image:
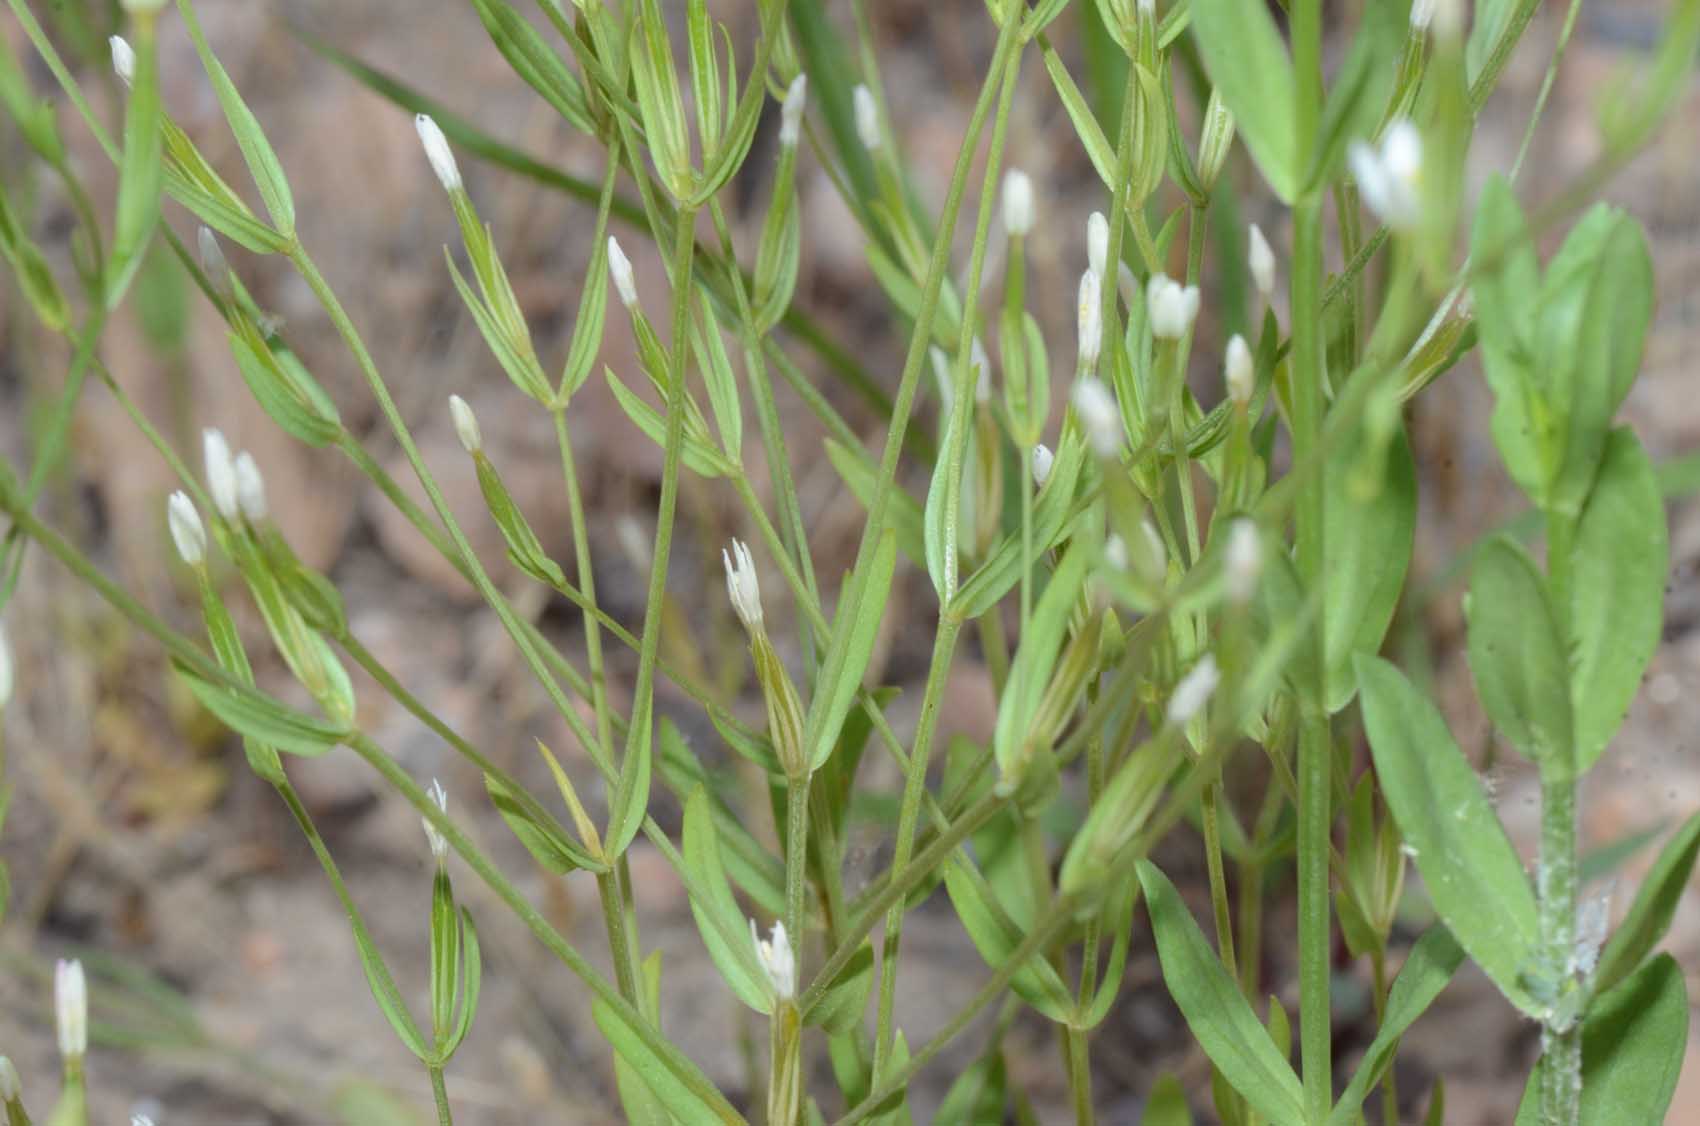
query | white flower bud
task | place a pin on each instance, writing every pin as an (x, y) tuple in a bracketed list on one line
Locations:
[(1043, 459), (142, 7), (1148, 7), (791, 111), (123, 59), (620, 269), (187, 531), (1171, 307), (1194, 690), (867, 117), (466, 425), (1244, 562), (250, 488), (71, 1009), (742, 585), (212, 258), (221, 473), (1422, 11), (1017, 202), (1126, 284), (1156, 557), (1240, 373), (777, 960), (1099, 417), (5, 674), (439, 844), (1115, 552), (141, 1120), (1389, 177), (1260, 260), (941, 379), (11, 1089), (437, 151), (983, 371), (1090, 313), (1097, 242)]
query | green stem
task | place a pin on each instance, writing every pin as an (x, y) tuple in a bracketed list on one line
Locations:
[(796, 859), (586, 585), (1556, 883), (1218, 877), (440, 1092)]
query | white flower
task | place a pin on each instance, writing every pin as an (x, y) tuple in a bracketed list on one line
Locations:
[(777, 960), (71, 1009), (1389, 177), (791, 110), (5, 672), (1194, 690), (212, 256), (742, 585), (250, 488), (221, 472), (1017, 202), (1239, 371), (1171, 306), (187, 532), (10, 1087), (982, 369), (1097, 242), (141, 1120), (620, 269), (123, 59), (1244, 562), (1090, 314), (867, 117), (1099, 416), (437, 151), (1115, 552), (1260, 260), (466, 425), (1043, 459), (439, 845)]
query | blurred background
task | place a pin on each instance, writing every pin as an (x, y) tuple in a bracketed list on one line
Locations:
[(226, 989)]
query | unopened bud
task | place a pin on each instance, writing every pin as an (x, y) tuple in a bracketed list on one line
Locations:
[(1097, 242), (123, 59), (187, 531), (1096, 408), (1155, 558), (1126, 284), (250, 488), (1422, 11), (1244, 561), (1388, 177), (867, 117), (212, 258), (11, 1089), (791, 111), (437, 151), (1171, 306), (1260, 260), (742, 585), (466, 425), (1090, 314), (1115, 552), (5, 674), (1017, 202), (221, 473), (982, 371), (439, 844), (620, 269), (1043, 459), (1239, 370), (71, 1009), (777, 960), (1194, 690), (942, 379)]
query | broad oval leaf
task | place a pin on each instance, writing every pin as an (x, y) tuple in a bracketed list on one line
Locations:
[(1517, 657)]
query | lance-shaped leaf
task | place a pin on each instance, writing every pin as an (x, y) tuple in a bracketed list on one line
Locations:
[(1517, 657), (1247, 60), (996, 936), (547, 842), (631, 799), (141, 169), (723, 927), (261, 718), (1473, 874), (1036, 658), (854, 630), (1215, 1009), (1655, 904)]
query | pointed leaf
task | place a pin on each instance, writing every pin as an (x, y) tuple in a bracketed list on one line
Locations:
[(1517, 657), (1655, 905)]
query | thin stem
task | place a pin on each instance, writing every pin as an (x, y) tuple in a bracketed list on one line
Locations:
[(796, 858), (1218, 877), (586, 585), (440, 1092)]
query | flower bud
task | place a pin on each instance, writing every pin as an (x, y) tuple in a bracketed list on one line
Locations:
[(437, 151), (1260, 260), (620, 269), (250, 488), (1090, 313), (1194, 690), (221, 473), (123, 59), (1017, 202), (1388, 177), (1172, 307), (212, 258), (187, 531), (982, 371), (1422, 11), (1240, 373), (1244, 561), (791, 111), (466, 425), (11, 1089), (5, 675), (71, 1009), (1097, 242), (1043, 459), (777, 960), (439, 844), (867, 117), (1099, 417), (742, 585), (1115, 552)]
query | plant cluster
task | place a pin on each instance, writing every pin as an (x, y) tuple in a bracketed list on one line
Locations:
[(1166, 593)]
